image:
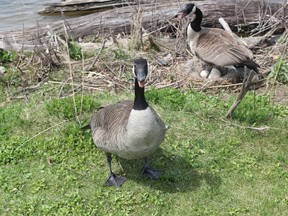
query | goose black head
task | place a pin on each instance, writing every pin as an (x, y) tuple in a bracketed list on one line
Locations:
[(140, 70), (189, 8)]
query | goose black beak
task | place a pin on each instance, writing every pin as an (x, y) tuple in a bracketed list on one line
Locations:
[(181, 14), (141, 77), (141, 71), (185, 11)]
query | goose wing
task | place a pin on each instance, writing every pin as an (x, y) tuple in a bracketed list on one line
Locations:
[(112, 116), (218, 47)]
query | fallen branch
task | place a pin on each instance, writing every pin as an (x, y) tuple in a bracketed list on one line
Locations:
[(204, 87), (29, 88), (245, 87), (249, 127)]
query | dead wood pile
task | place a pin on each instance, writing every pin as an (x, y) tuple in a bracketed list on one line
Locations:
[(154, 16)]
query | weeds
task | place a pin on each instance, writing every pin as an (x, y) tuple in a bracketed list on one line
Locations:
[(121, 54), (7, 56), (204, 160), (171, 98), (49, 166), (8, 74), (75, 51), (62, 107), (279, 72), (257, 110)]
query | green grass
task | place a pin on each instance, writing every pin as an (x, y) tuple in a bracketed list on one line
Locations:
[(75, 51), (212, 166), (279, 72)]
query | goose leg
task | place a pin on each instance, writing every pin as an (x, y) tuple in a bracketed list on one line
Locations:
[(149, 172), (113, 179)]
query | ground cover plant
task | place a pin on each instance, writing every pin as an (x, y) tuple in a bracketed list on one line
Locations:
[(211, 165)]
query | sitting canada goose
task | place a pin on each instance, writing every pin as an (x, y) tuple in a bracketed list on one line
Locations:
[(215, 46), (129, 129)]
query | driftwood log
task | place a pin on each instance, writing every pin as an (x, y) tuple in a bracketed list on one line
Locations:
[(154, 15), (83, 6)]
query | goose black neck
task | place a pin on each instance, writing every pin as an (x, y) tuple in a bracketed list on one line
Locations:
[(196, 23), (139, 101)]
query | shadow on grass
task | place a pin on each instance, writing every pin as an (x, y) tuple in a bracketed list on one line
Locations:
[(178, 175)]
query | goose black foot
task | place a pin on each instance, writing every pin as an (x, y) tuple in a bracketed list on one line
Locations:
[(115, 180), (149, 172)]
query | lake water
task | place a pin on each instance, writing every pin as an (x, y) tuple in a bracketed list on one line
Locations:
[(16, 14)]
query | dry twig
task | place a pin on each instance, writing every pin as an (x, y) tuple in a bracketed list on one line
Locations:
[(260, 129), (97, 57), (245, 87)]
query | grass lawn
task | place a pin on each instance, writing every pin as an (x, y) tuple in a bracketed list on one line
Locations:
[(211, 165)]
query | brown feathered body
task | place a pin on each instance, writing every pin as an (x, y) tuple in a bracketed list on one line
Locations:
[(128, 133), (217, 47)]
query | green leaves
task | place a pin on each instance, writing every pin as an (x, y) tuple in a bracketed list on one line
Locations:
[(167, 98), (75, 51), (254, 109), (7, 56), (49, 166), (279, 72), (68, 108)]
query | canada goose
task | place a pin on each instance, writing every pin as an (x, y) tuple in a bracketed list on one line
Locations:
[(215, 46), (129, 129)]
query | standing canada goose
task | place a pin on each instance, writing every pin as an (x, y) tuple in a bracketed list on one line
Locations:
[(129, 129), (215, 46)]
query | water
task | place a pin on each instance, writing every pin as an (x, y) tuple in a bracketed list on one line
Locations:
[(16, 14)]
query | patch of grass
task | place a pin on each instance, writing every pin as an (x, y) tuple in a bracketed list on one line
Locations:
[(210, 166), (64, 107), (167, 98), (279, 72), (255, 110), (121, 54), (12, 76), (9, 74), (7, 56), (75, 51)]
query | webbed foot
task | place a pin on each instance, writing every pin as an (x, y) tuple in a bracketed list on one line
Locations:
[(151, 173), (115, 180)]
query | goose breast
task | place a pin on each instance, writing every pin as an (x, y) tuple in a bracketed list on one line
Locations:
[(136, 135)]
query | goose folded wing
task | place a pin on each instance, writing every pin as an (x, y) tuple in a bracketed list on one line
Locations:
[(218, 47), (112, 115)]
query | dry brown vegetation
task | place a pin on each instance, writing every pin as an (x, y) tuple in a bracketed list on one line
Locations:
[(104, 60)]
